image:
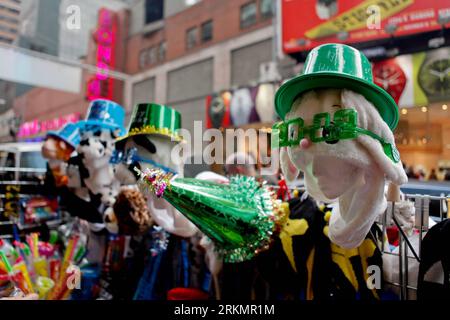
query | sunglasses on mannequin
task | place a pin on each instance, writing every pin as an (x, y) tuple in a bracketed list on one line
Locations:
[(344, 126)]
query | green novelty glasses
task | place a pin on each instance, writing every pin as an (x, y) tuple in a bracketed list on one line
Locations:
[(344, 126)]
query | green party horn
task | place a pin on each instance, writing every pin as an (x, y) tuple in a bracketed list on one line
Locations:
[(240, 218)]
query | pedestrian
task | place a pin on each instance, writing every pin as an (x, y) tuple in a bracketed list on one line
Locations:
[(433, 175)]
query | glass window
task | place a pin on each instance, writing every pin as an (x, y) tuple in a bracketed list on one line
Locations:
[(207, 31), (7, 159), (248, 15), (266, 8), (191, 38), (154, 10), (32, 160), (143, 58), (152, 55), (162, 51)]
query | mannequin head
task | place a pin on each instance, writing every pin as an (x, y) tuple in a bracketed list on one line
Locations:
[(97, 146), (325, 161), (153, 151), (331, 176), (55, 148)]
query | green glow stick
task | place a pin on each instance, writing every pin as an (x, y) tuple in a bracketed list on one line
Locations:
[(8, 267)]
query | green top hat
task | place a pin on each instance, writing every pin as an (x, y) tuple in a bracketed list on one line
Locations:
[(337, 66), (151, 118)]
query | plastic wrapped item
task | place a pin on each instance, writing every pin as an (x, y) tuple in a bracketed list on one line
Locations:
[(7, 288), (89, 283), (39, 209), (44, 286)]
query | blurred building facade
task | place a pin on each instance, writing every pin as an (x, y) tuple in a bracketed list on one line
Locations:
[(50, 108), (9, 20), (175, 52), (190, 49), (9, 32), (73, 44), (39, 26)]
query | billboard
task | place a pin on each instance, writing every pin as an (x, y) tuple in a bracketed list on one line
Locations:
[(309, 23), (416, 79)]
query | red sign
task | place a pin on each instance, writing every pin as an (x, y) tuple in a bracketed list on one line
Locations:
[(389, 75), (36, 127), (218, 110), (309, 23), (100, 86)]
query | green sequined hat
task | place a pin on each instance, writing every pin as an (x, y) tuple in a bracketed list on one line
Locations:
[(151, 118), (337, 66)]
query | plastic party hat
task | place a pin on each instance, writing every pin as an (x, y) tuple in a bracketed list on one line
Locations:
[(239, 217)]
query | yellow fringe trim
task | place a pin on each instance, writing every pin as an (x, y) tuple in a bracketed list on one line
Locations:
[(153, 130)]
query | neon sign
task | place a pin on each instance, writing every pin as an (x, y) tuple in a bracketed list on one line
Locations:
[(100, 86), (36, 127)]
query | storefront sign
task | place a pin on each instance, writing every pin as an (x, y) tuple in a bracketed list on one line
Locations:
[(100, 86), (36, 127), (308, 23)]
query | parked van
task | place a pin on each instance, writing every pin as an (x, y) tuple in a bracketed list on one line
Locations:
[(22, 161)]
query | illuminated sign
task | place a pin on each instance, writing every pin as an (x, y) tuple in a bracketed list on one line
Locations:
[(100, 86), (36, 127)]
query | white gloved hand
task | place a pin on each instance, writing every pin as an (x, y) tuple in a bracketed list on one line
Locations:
[(169, 218), (212, 259)]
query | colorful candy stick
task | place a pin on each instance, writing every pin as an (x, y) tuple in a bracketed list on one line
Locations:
[(16, 275), (22, 267), (55, 267), (41, 267)]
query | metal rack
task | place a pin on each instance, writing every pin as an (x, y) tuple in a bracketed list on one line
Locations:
[(27, 189), (422, 215)]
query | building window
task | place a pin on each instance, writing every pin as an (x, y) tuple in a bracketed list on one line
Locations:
[(266, 8), (152, 55), (191, 38), (143, 58), (154, 10), (248, 15), (207, 31), (6, 40), (162, 51), (12, 10)]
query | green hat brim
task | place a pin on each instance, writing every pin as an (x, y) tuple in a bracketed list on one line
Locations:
[(295, 87)]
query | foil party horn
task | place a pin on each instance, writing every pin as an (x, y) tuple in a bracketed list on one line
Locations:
[(240, 218)]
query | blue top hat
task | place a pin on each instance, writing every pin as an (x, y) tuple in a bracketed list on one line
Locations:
[(70, 133), (105, 114)]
